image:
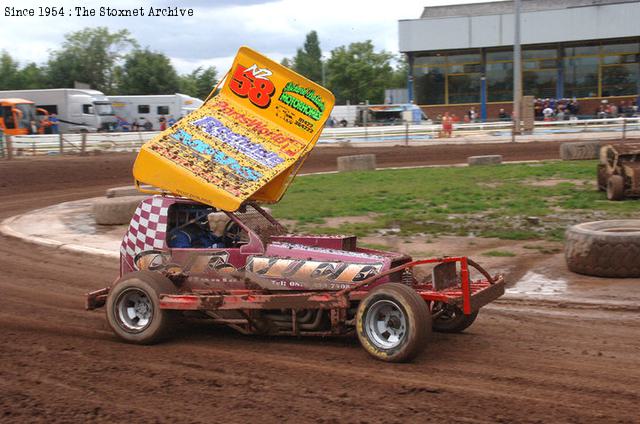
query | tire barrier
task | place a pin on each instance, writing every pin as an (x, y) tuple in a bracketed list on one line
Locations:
[(580, 151), (357, 163), (484, 160), (604, 248), (115, 210)]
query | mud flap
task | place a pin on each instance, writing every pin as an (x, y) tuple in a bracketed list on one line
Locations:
[(484, 296), (444, 275)]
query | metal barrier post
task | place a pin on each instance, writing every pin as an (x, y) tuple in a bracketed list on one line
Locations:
[(61, 144), (624, 129), (9, 148), (1, 143), (406, 133), (83, 146)]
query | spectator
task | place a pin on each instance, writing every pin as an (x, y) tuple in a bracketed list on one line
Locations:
[(171, 121), (54, 121), (33, 128), (547, 112), (473, 115), (447, 125), (163, 123), (502, 115)]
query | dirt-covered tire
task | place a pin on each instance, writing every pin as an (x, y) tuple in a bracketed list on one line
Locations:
[(393, 323), (604, 248), (615, 187), (451, 319), (133, 308), (115, 210), (579, 150), (602, 177)]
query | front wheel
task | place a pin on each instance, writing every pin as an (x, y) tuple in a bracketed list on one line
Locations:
[(451, 319), (393, 323), (133, 308), (615, 187)]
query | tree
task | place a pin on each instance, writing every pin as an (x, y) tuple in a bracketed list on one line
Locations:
[(308, 59), (356, 73), (147, 72), (200, 82), (92, 56), (32, 77), (8, 72), (400, 73)]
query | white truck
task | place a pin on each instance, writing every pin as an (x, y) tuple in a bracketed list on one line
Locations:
[(77, 110), (145, 112)]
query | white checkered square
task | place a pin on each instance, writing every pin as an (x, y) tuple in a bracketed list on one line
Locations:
[(147, 229)]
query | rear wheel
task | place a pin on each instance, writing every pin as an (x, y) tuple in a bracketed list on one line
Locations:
[(615, 187), (133, 308), (451, 319), (393, 323)]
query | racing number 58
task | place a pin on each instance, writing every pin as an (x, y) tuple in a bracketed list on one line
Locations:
[(245, 84)]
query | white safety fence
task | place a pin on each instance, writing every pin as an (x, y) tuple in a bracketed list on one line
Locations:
[(32, 145)]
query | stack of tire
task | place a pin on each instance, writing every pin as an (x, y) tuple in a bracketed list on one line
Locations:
[(604, 248)]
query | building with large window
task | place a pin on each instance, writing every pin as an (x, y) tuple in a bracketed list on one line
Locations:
[(462, 55)]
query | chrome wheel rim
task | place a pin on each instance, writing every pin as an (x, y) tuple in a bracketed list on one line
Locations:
[(386, 324), (134, 310)]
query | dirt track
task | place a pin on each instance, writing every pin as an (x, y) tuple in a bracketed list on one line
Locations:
[(518, 363)]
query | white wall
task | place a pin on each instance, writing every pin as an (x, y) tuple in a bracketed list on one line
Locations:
[(545, 26)]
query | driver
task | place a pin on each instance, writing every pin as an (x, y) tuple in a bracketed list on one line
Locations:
[(196, 234)]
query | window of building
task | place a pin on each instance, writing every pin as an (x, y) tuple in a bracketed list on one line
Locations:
[(429, 60), (163, 110), (447, 78), (500, 56), (581, 50), (539, 72), (143, 108), (540, 83), (581, 76), (539, 54), (619, 80), (464, 88), (463, 58), (621, 48), (430, 85), (499, 81)]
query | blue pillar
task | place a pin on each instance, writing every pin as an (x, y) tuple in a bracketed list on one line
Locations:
[(483, 99)]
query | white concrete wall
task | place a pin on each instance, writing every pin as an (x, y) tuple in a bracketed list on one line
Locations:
[(546, 26)]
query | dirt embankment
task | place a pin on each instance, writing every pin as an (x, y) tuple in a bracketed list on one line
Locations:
[(59, 363)]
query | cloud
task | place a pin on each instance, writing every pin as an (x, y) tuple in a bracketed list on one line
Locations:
[(218, 28)]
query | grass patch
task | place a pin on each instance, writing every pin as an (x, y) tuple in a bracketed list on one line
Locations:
[(499, 254), (488, 201)]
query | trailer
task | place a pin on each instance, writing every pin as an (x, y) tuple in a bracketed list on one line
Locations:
[(203, 246), (77, 110), (146, 112), (368, 115)]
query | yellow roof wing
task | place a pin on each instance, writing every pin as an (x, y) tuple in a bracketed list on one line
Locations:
[(246, 143)]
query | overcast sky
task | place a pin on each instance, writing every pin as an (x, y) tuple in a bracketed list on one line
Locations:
[(276, 28)]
